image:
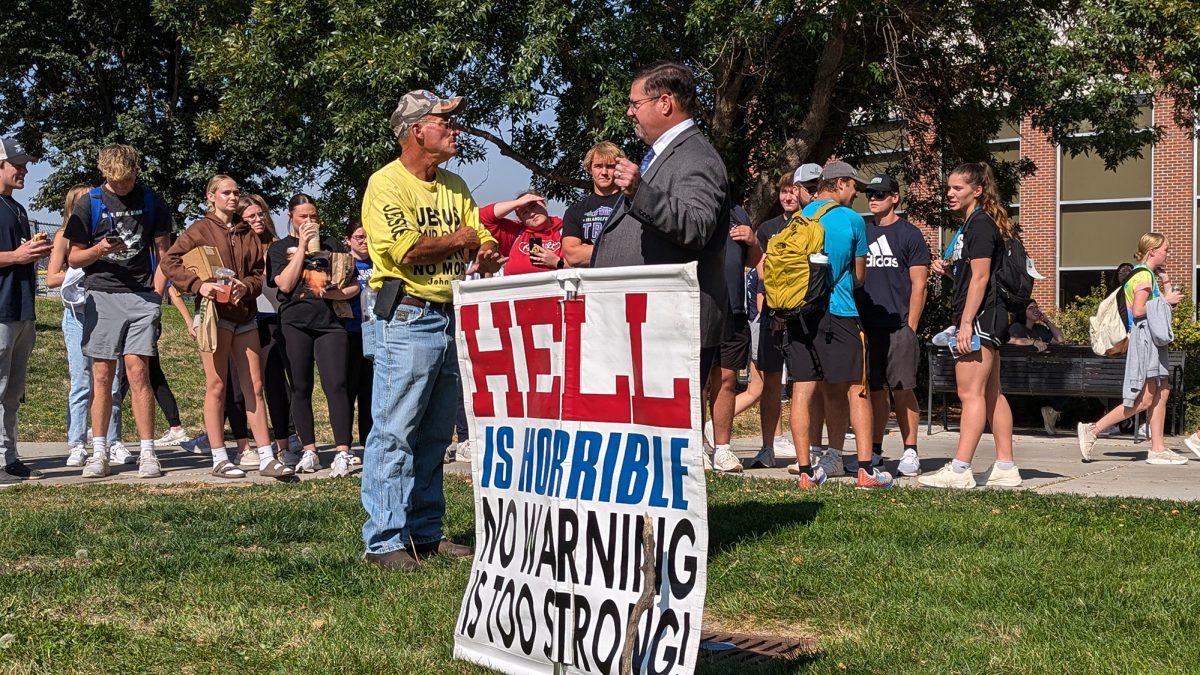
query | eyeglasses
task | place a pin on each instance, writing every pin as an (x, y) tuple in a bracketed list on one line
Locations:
[(358, 237), (439, 123), (873, 195), (634, 105)]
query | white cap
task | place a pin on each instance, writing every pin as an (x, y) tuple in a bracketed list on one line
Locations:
[(807, 173)]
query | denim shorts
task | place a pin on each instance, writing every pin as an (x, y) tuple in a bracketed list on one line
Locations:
[(237, 328)]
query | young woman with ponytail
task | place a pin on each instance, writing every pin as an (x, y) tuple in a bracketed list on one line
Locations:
[(972, 259)]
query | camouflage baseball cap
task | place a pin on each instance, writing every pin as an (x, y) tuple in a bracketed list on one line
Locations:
[(417, 104)]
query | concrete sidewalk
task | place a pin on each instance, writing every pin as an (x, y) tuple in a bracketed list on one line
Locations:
[(1047, 464)]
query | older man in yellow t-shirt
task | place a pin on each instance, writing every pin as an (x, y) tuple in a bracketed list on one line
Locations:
[(423, 232)]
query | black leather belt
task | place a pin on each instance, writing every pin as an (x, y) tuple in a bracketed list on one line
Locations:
[(413, 301)]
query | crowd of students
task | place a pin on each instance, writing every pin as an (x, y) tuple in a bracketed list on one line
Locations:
[(278, 313)]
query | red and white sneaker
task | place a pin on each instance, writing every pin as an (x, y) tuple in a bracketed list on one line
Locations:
[(875, 480), (807, 482)]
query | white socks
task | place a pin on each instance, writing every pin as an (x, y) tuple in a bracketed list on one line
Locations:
[(266, 455), (147, 447), (99, 446), (219, 455)]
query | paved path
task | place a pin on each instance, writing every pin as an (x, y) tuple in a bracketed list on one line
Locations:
[(1048, 465)]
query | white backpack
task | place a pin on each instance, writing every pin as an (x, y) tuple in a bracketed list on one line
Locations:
[(1107, 329)]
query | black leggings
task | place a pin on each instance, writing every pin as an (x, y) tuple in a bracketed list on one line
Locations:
[(359, 378), (162, 392), (328, 350), (277, 388)]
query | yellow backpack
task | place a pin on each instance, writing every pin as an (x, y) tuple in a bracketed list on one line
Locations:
[(795, 267)]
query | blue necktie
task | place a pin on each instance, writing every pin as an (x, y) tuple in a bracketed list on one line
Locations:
[(621, 201), (646, 161)]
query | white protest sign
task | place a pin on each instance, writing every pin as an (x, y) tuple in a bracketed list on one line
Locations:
[(583, 395)]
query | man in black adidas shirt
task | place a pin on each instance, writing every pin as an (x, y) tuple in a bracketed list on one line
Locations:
[(19, 253), (890, 304), (584, 219)]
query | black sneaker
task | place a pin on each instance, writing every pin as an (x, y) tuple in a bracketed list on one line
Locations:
[(19, 470)]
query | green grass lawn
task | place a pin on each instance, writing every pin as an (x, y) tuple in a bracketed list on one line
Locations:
[(269, 578)]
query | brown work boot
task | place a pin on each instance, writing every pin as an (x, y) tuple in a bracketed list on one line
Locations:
[(445, 547), (399, 560)]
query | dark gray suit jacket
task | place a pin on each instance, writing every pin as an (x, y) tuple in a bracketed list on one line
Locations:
[(680, 213)]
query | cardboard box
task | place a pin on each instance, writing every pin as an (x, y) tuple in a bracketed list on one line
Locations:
[(203, 261)]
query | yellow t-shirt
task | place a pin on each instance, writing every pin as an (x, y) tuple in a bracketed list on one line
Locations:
[(399, 208)]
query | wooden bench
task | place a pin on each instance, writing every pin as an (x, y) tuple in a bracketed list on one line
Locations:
[(1062, 370)]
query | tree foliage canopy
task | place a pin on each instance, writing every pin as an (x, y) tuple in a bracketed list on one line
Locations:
[(303, 88)]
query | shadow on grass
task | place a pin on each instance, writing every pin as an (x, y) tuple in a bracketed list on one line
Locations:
[(731, 524)]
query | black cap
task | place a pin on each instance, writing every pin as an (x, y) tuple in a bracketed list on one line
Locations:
[(882, 183)]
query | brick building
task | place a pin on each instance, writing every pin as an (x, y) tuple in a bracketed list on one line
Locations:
[(1080, 221)]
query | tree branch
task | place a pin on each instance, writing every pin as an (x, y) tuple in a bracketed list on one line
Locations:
[(535, 168)]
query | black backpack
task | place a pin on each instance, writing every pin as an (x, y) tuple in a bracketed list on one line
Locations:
[(1013, 283)]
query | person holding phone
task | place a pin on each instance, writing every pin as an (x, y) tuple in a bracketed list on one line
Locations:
[(533, 243), (972, 259)]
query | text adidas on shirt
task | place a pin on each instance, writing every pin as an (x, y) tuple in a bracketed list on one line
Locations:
[(880, 254)]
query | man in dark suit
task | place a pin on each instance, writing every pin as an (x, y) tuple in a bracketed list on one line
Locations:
[(675, 205)]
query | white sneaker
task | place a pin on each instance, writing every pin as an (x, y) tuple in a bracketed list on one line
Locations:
[(355, 460), (1087, 440), (724, 460), (249, 459), (1050, 419), (794, 468), (1192, 442), (78, 455), (910, 464), (850, 464), (96, 467), (148, 466), (198, 445), (831, 461), (708, 435), (309, 463), (947, 477), (119, 454), (784, 448), (1003, 477), (340, 466), (1143, 431), (464, 451), (173, 437), (707, 461), (765, 459), (1165, 456)]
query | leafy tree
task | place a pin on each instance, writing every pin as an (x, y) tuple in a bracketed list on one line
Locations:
[(784, 82), (76, 75)]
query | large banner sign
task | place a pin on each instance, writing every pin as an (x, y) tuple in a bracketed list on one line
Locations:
[(583, 395)]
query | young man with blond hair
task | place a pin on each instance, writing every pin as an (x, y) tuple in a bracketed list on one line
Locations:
[(117, 237), (583, 219)]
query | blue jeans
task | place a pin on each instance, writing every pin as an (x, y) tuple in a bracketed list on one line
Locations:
[(80, 367), (415, 384)]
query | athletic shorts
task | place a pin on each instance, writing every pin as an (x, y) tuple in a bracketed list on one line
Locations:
[(734, 353), (991, 325), (770, 344), (117, 324), (800, 350), (755, 328), (893, 355), (842, 350), (237, 328)]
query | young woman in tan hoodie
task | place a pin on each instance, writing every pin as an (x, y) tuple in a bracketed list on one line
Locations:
[(237, 330)]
